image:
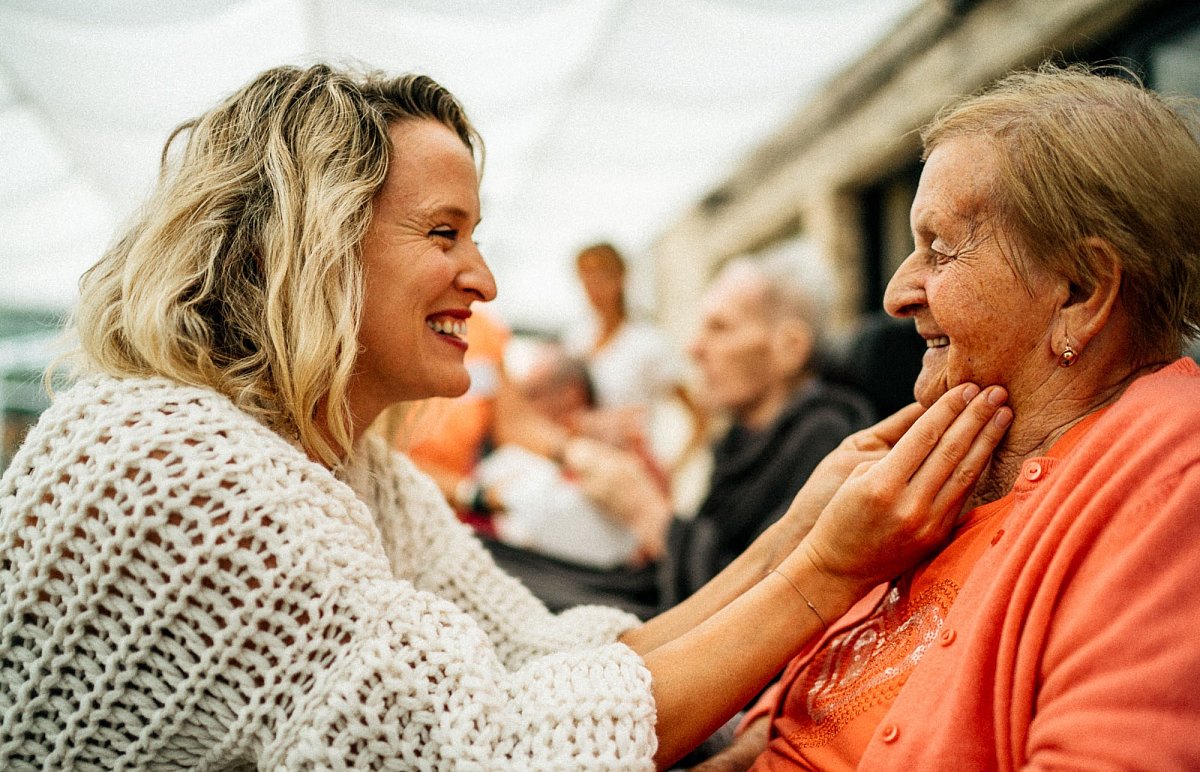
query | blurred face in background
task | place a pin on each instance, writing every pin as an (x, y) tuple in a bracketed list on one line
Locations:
[(746, 360), (551, 391), (603, 278)]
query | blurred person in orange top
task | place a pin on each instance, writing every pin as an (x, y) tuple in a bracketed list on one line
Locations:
[(446, 437)]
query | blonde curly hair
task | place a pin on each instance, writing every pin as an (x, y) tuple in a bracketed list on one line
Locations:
[(242, 272)]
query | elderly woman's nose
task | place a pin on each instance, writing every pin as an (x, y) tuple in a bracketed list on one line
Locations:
[(905, 292)]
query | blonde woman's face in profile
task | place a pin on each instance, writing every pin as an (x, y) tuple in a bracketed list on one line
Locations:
[(421, 273)]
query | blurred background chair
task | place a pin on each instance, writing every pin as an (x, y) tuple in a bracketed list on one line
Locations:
[(881, 360)]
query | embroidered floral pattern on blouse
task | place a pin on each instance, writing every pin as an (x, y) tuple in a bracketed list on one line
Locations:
[(868, 664)]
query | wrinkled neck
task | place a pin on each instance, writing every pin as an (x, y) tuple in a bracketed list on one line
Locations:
[(1039, 423)]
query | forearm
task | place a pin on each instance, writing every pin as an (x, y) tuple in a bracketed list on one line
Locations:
[(700, 421), (764, 553), (739, 576), (704, 676)]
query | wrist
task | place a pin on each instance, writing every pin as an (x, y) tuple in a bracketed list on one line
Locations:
[(807, 601), (830, 595)]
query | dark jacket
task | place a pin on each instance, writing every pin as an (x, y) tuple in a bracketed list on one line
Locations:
[(755, 476)]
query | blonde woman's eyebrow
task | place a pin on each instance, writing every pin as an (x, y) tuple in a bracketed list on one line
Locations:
[(452, 211)]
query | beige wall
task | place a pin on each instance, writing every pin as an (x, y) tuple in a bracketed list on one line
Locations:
[(859, 129)]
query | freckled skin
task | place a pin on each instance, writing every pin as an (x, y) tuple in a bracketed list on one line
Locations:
[(960, 282), (419, 262)]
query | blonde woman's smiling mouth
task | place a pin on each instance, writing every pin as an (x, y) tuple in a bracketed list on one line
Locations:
[(450, 327)]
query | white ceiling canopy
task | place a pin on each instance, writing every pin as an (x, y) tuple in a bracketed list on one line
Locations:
[(603, 119)]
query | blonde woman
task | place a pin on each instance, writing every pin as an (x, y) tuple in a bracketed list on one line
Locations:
[(209, 561)]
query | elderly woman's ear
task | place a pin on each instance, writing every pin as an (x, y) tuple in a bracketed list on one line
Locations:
[(1087, 310)]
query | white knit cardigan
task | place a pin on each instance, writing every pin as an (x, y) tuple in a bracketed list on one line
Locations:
[(183, 588)]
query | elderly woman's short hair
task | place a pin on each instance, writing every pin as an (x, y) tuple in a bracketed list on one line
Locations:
[(1091, 153), (242, 273)]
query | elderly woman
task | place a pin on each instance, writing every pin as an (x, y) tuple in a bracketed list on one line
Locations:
[(209, 561), (1057, 232)]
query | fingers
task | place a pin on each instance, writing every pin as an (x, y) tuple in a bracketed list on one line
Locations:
[(928, 431), (892, 428), (961, 453), (979, 453)]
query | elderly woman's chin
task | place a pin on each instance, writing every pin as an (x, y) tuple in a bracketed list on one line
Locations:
[(930, 386)]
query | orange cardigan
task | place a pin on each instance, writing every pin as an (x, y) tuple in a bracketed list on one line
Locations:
[(1073, 641)]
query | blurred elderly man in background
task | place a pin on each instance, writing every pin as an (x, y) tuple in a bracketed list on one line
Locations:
[(757, 354)]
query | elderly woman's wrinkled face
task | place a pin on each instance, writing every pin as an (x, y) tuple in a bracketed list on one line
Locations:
[(421, 271), (980, 321)]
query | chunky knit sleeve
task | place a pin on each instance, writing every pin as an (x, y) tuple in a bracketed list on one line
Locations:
[(428, 545), (183, 588)]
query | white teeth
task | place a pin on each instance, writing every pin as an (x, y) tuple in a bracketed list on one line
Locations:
[(454, 327), (937, 342)]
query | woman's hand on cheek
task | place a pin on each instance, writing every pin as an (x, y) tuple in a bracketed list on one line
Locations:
[(891, 511), (870, 444)]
